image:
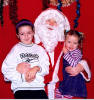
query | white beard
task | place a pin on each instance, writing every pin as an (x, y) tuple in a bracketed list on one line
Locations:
[(49, 38)]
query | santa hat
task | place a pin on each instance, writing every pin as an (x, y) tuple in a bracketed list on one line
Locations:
[(50, 13)]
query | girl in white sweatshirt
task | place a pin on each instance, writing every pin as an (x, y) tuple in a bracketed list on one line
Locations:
[(27, 82)]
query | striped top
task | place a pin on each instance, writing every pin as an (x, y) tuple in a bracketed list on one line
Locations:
[(73, 57)]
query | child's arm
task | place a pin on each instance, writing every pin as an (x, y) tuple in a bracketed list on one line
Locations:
[(23, 67), (43, 62), (73, 71), (42, 69), (30, 75), (80, 67), (9, 66), (73, 58)]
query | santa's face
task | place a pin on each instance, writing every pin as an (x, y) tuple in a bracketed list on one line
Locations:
[(51, 23), (49, 34)]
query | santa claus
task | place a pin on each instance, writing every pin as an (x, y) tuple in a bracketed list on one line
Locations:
[(49, 32)]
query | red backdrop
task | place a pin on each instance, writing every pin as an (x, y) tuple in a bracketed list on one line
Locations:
[(30, 9)]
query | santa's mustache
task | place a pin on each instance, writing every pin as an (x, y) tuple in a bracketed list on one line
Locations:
[(47, 34), (50, 27)]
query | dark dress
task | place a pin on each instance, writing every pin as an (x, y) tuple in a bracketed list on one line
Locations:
[(72, 85)]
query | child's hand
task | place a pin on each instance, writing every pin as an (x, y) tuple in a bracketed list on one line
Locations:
[(65, 50), (73, 71), (30, 75), (23, 67)]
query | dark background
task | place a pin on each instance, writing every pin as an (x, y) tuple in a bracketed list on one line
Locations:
[(30, 9)]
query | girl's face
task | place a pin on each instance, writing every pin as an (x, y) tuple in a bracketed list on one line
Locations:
[(25, 34), (71, 42)]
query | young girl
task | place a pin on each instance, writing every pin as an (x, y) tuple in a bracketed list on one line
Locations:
[(72, 86), (27, 82)]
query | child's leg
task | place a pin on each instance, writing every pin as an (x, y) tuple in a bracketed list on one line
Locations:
[(58, 94)]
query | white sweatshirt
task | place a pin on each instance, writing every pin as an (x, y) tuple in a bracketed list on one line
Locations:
[(33, 54)]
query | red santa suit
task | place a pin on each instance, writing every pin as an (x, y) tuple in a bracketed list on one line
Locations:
[(52, 40)]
